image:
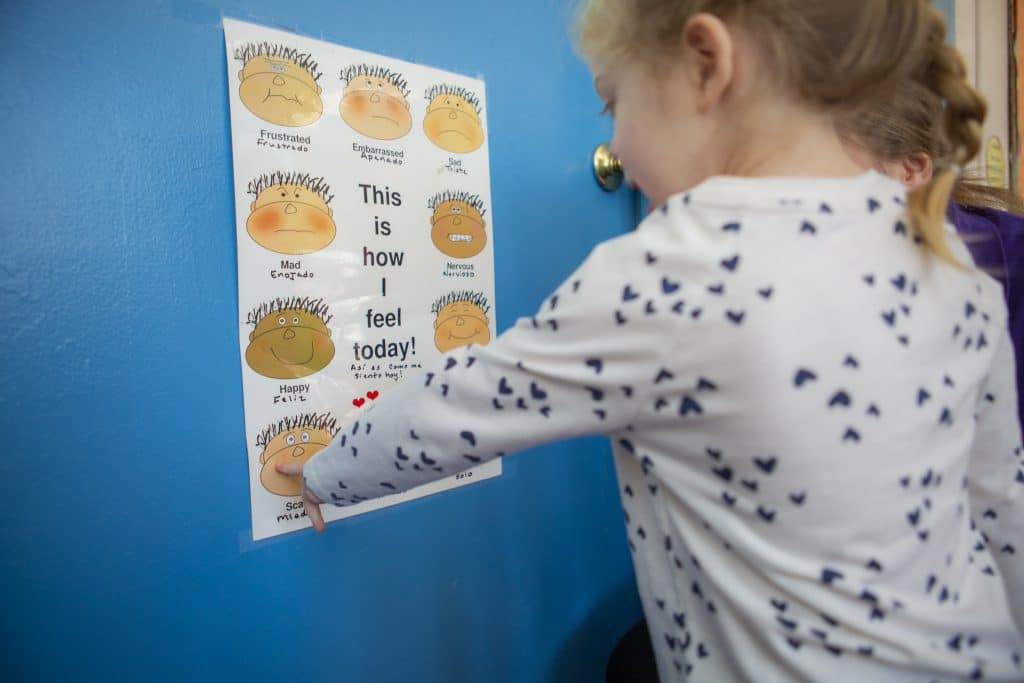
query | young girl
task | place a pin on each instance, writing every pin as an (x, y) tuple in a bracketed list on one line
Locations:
[(902, 138), (809, 397)]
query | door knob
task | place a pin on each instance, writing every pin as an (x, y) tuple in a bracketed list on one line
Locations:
[(607, 168)]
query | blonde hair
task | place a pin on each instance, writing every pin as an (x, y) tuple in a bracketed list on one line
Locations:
[(839, 56), (909, 123)]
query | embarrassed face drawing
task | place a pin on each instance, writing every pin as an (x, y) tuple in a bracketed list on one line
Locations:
[(290, 214), (461, 320), (453, 119), (278, 84), (375, 102), (290, 339), (295, 441), (457, 225)]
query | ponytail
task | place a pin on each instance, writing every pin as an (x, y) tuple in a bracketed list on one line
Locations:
[(963, 112)]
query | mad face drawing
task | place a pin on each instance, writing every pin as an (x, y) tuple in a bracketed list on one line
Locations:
[(461, 319), (457, 225), (375, 102), (279, 84), (290, 214), (293, 439), (290, 339), (453, 119)]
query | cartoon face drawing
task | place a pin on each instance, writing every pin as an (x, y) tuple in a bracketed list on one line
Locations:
[(292, 440), (279, 84), (461, 319), (290, 214), (375, 102), (457, 225), (453, 119), (290, 339)]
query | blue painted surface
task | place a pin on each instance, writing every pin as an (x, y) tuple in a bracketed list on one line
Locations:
[(125, 487), (947, 6)]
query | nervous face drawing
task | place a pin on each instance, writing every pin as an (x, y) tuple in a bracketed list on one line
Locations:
[(453, 119), (375, 102), (461, 319), (457, 224), (290, 214), (279, 84), (290, 339), (293, 439)]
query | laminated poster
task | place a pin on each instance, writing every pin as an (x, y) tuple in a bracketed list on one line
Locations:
[(365, 250)]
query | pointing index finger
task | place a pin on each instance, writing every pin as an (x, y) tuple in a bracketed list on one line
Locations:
[(292, 469), (313, 510)]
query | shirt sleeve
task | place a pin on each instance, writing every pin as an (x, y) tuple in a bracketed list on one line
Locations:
[(996, 477), (570, 370)]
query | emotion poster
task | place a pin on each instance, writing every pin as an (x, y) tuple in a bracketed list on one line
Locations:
[(365, 238)]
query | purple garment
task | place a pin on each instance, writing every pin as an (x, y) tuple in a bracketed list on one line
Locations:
[(996, 241)]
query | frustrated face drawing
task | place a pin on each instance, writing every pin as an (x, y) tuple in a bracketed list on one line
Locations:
[(461, 319), (290, 339), (292, 440), (279, 84), (453, 119), (457, 225), (290, 214), (375, 102)]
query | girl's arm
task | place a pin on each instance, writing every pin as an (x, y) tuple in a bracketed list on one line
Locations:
[(584, 364), (996, 476)]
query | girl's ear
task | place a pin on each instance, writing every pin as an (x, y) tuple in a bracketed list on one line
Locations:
[(709, 51), (917, 169)]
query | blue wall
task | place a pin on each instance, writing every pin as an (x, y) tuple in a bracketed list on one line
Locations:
[(947, 7), (126, 551)]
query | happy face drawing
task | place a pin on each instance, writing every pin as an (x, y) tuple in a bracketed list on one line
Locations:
[(461, 320), (290, 338)]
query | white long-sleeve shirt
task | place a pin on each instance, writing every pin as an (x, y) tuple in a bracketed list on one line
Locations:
[(813, 423)]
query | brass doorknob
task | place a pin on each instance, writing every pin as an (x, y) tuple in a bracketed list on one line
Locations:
[(607, 168)]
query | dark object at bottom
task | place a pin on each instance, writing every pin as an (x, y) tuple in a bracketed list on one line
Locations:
[(632, 660)]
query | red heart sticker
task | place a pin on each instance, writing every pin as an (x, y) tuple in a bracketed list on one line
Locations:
[(372, 395), (358, 402)]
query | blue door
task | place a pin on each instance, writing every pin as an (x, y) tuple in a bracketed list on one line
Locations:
[(127, 552)]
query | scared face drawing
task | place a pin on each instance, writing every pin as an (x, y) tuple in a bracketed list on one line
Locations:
[(375, 102), (292, 440), (290, 339), (461, 320), (453, 119), (279, 84), (457, 224), (290, 214)]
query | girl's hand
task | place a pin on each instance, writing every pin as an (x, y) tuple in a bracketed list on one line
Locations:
[(309, 500)]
